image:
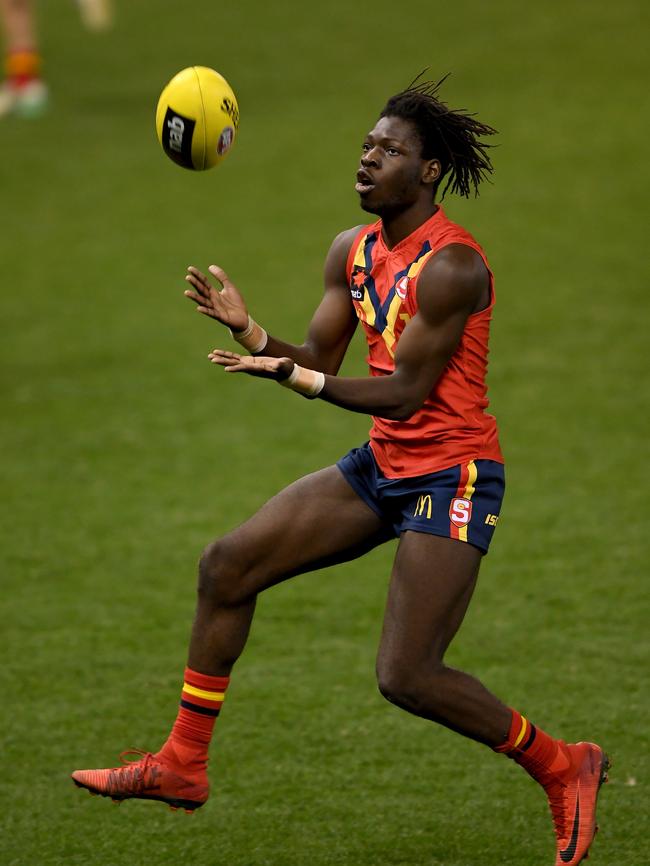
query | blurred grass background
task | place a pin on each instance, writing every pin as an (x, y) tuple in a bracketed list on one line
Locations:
[(124, 451)]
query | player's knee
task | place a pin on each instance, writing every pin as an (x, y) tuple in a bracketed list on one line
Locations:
[(407, 685), (396, 682), (221, 574)]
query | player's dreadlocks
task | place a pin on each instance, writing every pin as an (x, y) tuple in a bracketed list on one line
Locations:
[(450, 135)]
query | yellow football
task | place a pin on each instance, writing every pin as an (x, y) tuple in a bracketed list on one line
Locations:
[(197, 118)]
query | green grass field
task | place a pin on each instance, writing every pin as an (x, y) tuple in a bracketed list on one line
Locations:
[(124, 452)]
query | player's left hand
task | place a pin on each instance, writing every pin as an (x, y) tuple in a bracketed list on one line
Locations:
[(255, 365)]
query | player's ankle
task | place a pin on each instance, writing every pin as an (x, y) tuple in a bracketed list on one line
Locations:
[(183, 755), (186, 769)]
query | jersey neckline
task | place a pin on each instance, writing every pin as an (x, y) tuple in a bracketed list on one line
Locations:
[(423, 227)]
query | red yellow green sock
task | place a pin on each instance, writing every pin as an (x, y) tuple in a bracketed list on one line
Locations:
[(201, 701), (545, 759), (22, 66)]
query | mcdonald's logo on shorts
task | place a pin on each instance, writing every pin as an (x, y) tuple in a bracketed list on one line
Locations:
[(422, 503), (460, 512)]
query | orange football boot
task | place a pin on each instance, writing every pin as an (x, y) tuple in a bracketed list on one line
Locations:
[(573, 803), (147, 778)]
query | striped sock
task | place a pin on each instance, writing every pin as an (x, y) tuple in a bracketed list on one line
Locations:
[(201, 701), (544, 758)]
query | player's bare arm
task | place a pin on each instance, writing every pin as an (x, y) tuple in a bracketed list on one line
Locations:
[(329, 332), (453, 285)]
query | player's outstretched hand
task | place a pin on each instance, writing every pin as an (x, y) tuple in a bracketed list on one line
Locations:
[(254, 365), (226, 306)]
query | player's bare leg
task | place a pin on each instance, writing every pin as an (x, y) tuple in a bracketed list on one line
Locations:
[(432, 583), (431, 586), (315, 522)]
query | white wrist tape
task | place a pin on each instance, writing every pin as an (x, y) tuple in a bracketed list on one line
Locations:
[(307, 382), (253, 337)]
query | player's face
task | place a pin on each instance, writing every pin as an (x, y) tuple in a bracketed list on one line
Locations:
[(393, 175)]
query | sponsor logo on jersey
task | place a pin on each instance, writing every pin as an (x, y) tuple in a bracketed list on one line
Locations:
[(358, 284), (460, 512), (177, 132), (402, 287)]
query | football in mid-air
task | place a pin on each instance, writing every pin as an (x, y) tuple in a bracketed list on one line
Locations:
[(197, 118)]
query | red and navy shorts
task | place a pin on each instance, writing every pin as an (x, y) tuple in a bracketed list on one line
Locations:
[(462, 502)]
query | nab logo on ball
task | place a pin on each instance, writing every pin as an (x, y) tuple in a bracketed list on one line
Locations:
[(460, 512), (176, 128), (177, 135)]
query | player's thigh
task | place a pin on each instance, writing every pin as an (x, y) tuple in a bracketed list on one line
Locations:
[(431, 585), (315, 522)]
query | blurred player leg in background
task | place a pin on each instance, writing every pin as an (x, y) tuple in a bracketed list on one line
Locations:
[(96, 14), (22, 92)]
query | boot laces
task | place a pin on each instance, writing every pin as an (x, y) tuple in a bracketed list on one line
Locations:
[(144, 757), (137, 773), (557, 803)]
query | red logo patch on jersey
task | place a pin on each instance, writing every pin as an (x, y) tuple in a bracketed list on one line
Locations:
[(460, 512), (358, 283), (402, 287)]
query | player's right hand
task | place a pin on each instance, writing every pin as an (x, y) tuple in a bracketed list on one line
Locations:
[(226, 306)]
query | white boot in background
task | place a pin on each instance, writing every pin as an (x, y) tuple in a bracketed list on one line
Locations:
[(23, 100)]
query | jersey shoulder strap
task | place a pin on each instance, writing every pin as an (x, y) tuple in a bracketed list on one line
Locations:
[(356, 255)]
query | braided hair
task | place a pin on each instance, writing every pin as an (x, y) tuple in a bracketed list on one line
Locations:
[(450, 135)]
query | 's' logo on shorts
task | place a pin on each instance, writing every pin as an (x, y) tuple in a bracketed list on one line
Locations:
[(424, 502), (460, 512)]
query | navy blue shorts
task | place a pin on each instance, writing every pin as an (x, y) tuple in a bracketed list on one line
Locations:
[(461, 502)]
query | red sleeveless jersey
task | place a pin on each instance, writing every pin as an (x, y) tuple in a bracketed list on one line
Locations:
[(452, 426)]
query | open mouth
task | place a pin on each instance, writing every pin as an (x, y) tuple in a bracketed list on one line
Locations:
[(364, 183)]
